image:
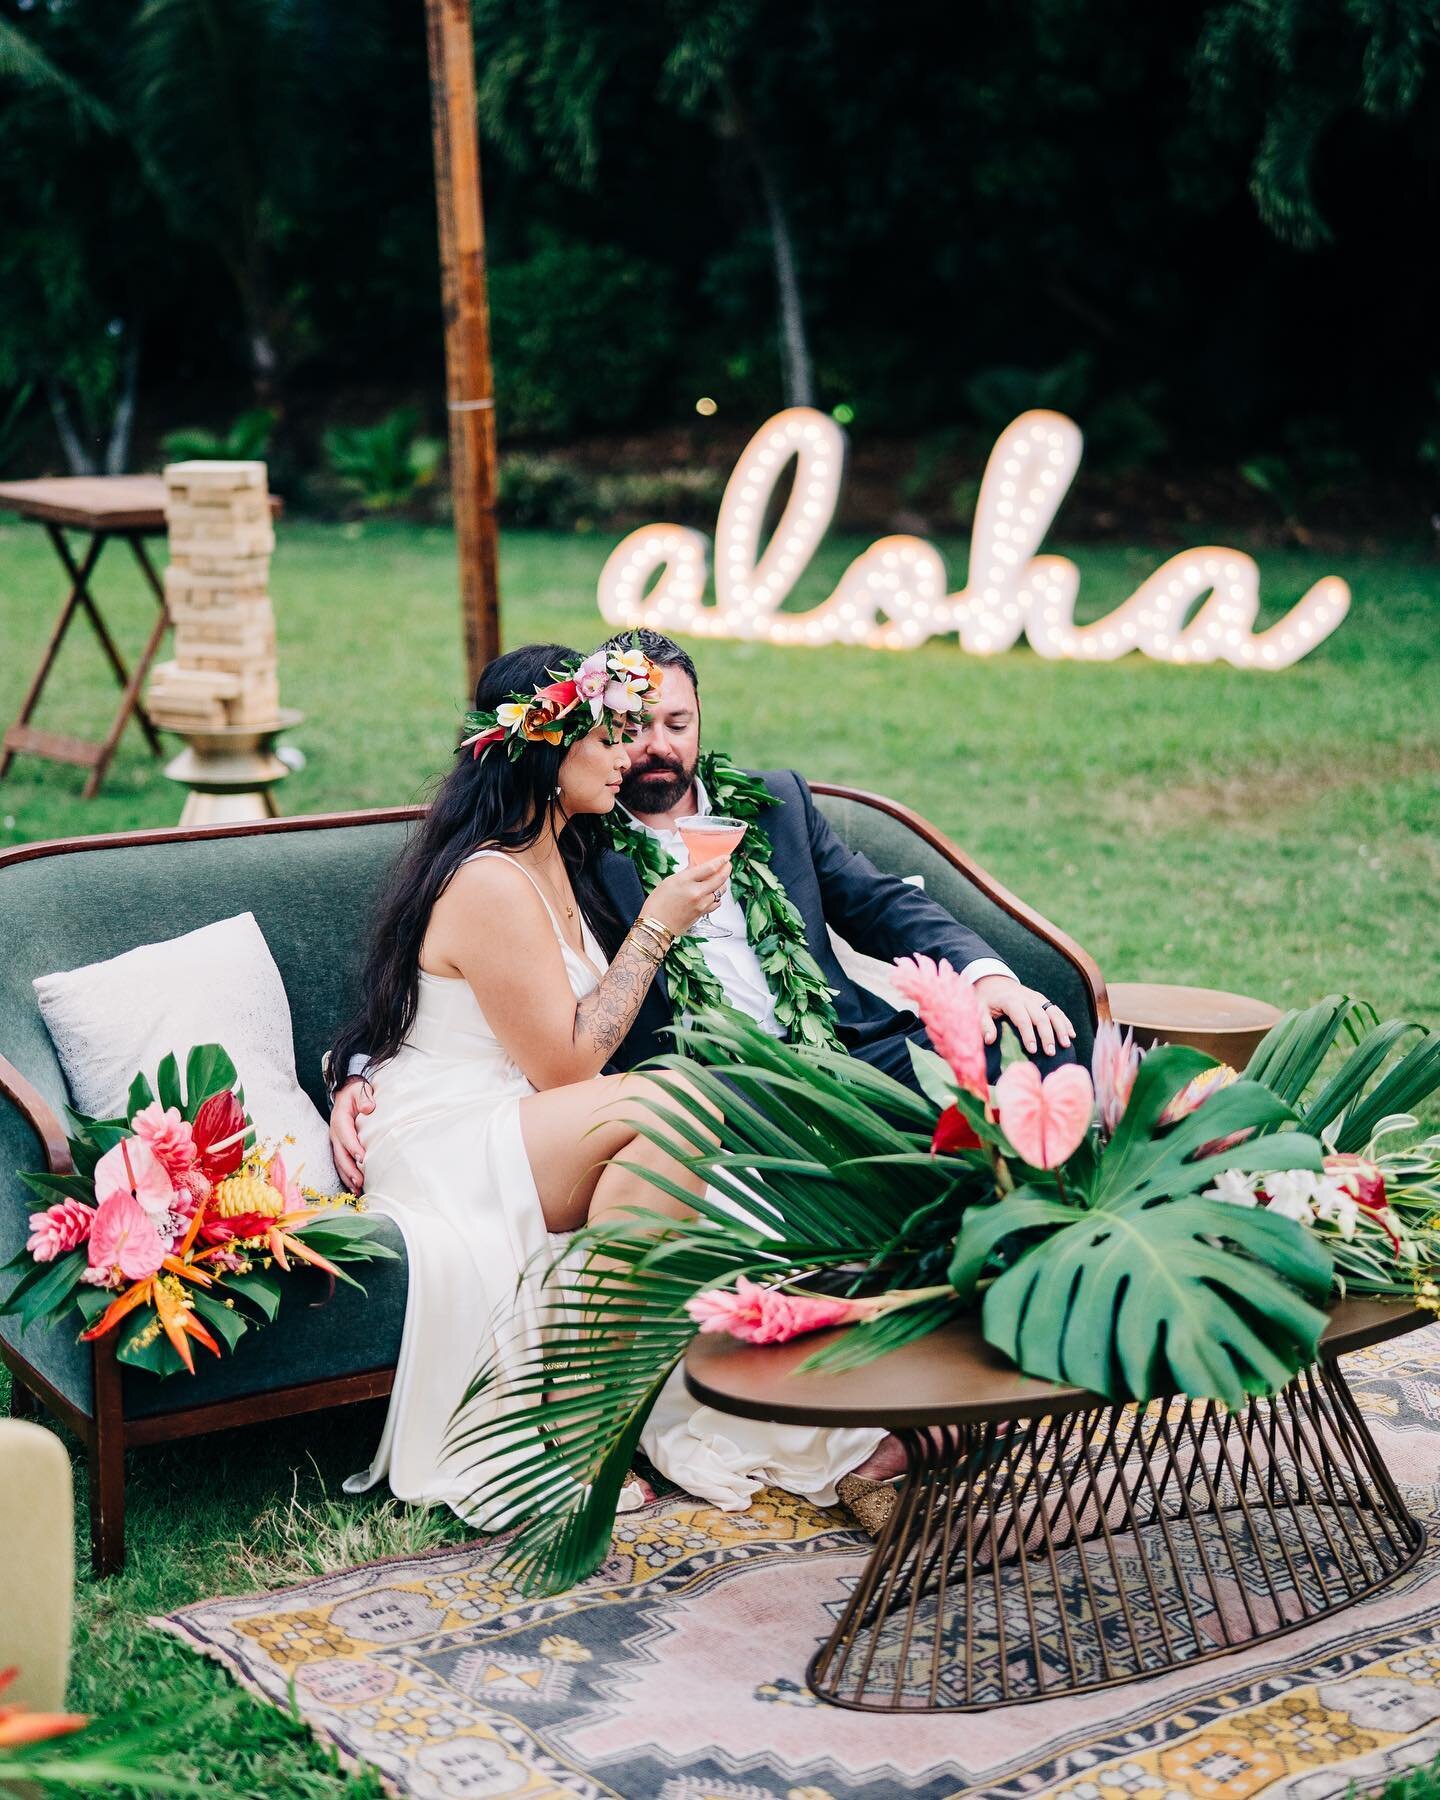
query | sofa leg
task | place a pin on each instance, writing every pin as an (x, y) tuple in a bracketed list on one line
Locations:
[(107, 1468), (107, 1503), (23, 1404)]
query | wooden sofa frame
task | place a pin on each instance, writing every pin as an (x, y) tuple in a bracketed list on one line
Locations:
[(107, 1434)]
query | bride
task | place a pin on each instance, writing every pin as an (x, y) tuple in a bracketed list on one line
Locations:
[(498, 984)]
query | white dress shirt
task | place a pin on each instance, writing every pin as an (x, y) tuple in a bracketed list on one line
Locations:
[(732, 960)]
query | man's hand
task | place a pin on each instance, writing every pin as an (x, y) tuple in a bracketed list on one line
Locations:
[(346, 1151), (1036, 1019)]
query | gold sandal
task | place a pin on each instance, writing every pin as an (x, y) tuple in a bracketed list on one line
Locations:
[(869, 1503)]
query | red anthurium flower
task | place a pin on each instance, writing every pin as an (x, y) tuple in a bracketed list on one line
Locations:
[(243, 1225), (953, 1131), (220, 1136), (562, 695)]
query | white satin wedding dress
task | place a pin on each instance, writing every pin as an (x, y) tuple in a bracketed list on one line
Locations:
[(445, 1158)]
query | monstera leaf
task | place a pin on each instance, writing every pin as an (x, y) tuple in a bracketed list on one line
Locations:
[(1131, 1284), (1146, 1297)]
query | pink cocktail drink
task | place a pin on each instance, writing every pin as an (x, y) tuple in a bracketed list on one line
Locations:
[(708, 836)]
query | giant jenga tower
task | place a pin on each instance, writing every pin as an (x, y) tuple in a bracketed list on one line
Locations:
[(217, 591)]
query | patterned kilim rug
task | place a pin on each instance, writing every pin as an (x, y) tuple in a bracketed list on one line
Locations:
[(676, 1673)]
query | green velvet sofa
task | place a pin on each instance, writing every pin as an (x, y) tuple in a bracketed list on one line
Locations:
[(309, 883)]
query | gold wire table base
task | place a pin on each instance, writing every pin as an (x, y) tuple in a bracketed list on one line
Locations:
[(1097, 1546)]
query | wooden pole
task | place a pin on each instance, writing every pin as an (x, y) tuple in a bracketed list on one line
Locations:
[(468, 383)]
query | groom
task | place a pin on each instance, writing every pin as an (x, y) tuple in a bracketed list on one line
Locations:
[(827, 883)]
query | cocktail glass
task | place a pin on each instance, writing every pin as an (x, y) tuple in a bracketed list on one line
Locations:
[(707, 836)]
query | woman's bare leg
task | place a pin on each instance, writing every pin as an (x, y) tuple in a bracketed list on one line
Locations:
[(572, 1132)]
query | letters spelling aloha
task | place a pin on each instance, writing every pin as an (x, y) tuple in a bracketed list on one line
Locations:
[(1198, 607)]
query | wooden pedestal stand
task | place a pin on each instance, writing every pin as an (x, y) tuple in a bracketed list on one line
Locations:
[(231, 772)]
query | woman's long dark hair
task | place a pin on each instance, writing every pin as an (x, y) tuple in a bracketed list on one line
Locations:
[(489, 802)]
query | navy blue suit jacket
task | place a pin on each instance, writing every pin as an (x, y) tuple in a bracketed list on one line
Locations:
[(830, 884)]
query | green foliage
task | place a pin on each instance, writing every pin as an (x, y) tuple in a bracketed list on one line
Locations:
[(386, 465), (1292, 70), (1416, 1784), (584, 337), (1311, 470), (538, 490), (1122, 429), (1356, 1096), (544, 491), (1143, 1297), (247, 439)]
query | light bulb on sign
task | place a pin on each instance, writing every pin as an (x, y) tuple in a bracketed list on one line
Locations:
[(1198, 607)]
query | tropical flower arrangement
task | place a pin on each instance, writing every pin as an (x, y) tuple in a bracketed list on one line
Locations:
[(618, 686), (1155, 1224), (173, 1222)]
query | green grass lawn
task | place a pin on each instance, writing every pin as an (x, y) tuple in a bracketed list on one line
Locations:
[(1271, 833)]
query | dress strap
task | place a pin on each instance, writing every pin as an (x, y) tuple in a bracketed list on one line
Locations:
[(544, 898)]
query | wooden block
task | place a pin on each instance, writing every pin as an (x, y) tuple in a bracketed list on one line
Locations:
[(203, 653), (226, 540), (176, 684), (244, 510), (228, 626), (209, 718), (236, 571), (203, 473), (180, 575), (254, 709)]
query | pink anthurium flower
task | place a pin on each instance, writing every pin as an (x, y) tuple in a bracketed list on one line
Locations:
[(1046, 1120), (123, 1237)]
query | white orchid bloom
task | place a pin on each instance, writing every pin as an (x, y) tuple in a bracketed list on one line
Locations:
[(1335, 1205), (1234, 1187)]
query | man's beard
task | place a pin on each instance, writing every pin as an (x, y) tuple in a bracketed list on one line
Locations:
[(657, 785)]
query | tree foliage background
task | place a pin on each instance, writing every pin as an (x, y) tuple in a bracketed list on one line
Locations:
[(1206, 221)]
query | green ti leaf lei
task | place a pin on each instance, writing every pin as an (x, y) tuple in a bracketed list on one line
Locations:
[(804, 1000)]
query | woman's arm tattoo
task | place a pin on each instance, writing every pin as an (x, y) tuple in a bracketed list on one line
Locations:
[(603, 1018)]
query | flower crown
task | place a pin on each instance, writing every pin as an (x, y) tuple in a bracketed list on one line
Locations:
[(612, 684)]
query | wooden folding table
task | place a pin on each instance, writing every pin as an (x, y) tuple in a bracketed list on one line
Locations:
[(131, 507)]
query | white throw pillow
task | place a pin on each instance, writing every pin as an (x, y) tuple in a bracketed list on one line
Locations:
[(868, 971), (112, 1020)]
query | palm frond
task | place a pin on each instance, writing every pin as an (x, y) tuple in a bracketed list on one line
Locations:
[(1357, 1097), (811, 1164)]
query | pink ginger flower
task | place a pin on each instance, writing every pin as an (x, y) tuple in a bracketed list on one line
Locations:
[(1046, 1120), (950, 1013), (169, 1135), (767, 1315), (1113, 1065), (60, 1228)]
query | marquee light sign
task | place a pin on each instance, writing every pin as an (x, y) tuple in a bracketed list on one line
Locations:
[(1198, 607)]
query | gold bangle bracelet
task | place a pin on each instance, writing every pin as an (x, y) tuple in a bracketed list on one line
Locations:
[(646, 948), (662, 934)]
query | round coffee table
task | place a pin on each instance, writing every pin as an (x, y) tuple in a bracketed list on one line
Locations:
[(1048, 1542), (1227, 1026)]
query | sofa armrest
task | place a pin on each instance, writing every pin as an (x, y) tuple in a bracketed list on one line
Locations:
[(39, 1115)]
